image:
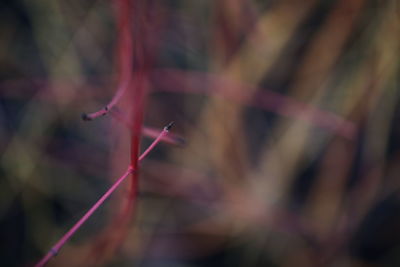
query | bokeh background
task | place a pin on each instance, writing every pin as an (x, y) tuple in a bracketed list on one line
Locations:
[(289, 110)]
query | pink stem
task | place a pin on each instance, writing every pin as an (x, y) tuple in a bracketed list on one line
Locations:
[(177, 81), (148, 131), (56, 248), (170, 139), (155, 142), (125, 48)]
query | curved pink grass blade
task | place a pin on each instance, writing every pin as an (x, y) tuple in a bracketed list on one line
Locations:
[(176, 81), (124, 53)]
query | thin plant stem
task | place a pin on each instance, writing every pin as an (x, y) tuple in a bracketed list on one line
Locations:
[(56, 248), (149, 132), (124, 53)]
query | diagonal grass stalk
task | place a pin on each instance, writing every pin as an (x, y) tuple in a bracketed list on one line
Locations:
[(56, 248)]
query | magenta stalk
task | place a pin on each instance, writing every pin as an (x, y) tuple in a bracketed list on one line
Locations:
[(56, 248)]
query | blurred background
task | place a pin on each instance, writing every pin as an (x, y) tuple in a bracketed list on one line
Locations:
[(289, 110)]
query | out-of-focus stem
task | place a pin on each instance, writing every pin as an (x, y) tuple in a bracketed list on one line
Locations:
[(124, 53), (150, 132)]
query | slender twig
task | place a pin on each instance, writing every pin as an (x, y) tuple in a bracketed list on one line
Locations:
[(148, 131), (56, 248), (124, 53)]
